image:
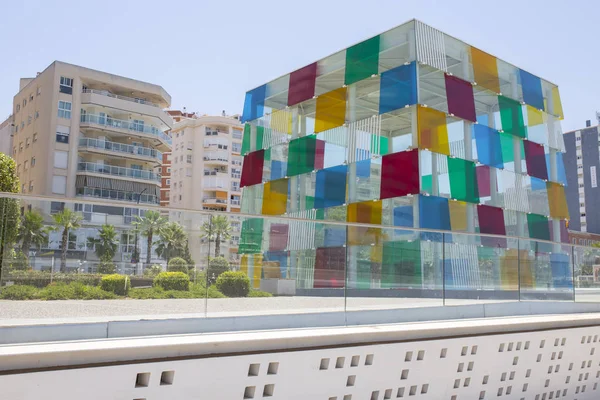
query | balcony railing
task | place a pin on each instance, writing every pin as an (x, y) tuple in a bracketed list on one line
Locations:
[(118, 171), (235, 202), (214, 200), (215, 173), (216, 157), (106, 121), (120, 148), (117, 195), (116, 96)]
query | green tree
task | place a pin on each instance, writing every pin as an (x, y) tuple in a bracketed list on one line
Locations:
[(187, 256), (106, 244), (67, 220), (172, 242), (32, 231), (216, 267), (149, 225), (217, 228), (9, 208)]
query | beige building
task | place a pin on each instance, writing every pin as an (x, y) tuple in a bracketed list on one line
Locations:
[(85, 133), (206, 167), (6, 133)]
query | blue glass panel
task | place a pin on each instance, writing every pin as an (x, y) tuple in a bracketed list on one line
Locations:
[(363, 168), (398, 88), (560, 166), (254, 104), (561, 270), (330, 188), (403, 216), (489, 149), (278, 169), (532, 89), (537, 184), (281, 257), (334, 236), (434, 214)]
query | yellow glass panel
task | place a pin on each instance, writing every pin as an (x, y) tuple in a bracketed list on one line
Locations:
[(256, 270), (534, 116), (433, 131), (367, 212), (275, 197), (244, 263), (485, 69), (281, 121), (509, 268), (558, 110), (458, 215), (331, 110), (557, 200)]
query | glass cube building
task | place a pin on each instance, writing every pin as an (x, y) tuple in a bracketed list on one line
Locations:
[(411, 128)]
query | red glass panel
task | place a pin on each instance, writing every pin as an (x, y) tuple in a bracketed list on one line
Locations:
[(319, 154), (302, 84), (330, 264), (491, 220), (535, 158), (483, 180), (252, 170), (278, 237), (399, 174), (461, 101)]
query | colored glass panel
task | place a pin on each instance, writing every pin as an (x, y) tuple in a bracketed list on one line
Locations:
[(330, 266), (395, 184), (278, 237), (254, 104), (362, 60), (330, 190), (485, 70), (557, 200), (535, 159), (281, 121), (427, 183), (489, 148), (367, 212), (538, 227), (463, 180), (561, 270), (331, 110), (532, 89), (508, 149), (398, 88), (246, 139), (491, 221), (401, 264), (461, 101), (275, 197), (434, 213), (511, 117), (403, 216), (260, 133), (302, 84), (319, 154), (458, 215), (251, 236), (433, 131), (534, 116), (483, 180), (278, 169), (302, 154), (557, 104), (252, 168)]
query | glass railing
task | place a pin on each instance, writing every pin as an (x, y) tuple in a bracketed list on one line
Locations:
[(308, 264), (130, 126), (116, 96), (214, 200), (120, 148), (109, 194), (118, 171)]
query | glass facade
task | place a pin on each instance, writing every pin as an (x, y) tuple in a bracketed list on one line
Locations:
[(415, 129)]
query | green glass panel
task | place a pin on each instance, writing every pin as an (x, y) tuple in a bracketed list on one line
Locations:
[(488, 267), (538, 227), (362, 60), (427, 183), (268, 154), (506, 143), (511, 116), (381, 148), (310, 202), (246, 139), (301, 155), (260, 133), (401, 264), (463, 180), (363, 273), (251, 236), (320, 214)]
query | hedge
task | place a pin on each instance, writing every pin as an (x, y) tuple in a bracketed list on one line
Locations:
[(233, 284), (216, 267), (115, 283), (41, 279), (178, 264), (172, 281)]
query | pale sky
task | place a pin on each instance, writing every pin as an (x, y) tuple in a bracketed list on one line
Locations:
[(207, 54)]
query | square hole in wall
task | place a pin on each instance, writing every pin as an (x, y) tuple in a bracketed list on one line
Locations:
[(518, 346), (501, 348), (456, 383), (589, 363), (542, 343), (351, 380), (464, 351), (508, 390), (568, 379), (474, 350), (470, 366), (454, 397), (273, 368), (528, 373), (404, 374), (485, 379), (413, 390), (339, 363), (420, 355), (557, 368), (387, 394), (547, 383), (400, 392), (461, 367), (556, 341), (553, 356), (443, 353), (500, 391), (527, 343), (564, 392), (583, 340), (324, 363), (249, 392), (348, 397), (254, 368), (375, 395), (512, 375), (166, 377), (539, 358), (408, 356), (142, 379), (510, 346), (560, 354), (355, 361), (525, 386), (564, 341), (369, 359), (570, 366), (268, 390), (467, 382), (503, 377), (425, 388), (550, 369), (333, 398)]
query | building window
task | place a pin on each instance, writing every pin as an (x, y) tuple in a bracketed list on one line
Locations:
[(188, 172), (14, 151), (31, 97), (66, 85), (583, 214), (39, 91), (64, 109), (168, 181), (22, 125), (236, 134), (235, 186), (24, 102), (18, 168), (169, 170), (181, 158), (37, 115), (236, 147), (34, 137), (25, 165), (23, 188), (581, 185), (18, 107), (138, 125), (17, 128), (59, 184), (61, 159), (32, 162), (27, 143), (62, 134), (30, 186), (29, 120), (189, 145), (578, 138), (20, 147), (189, 158)]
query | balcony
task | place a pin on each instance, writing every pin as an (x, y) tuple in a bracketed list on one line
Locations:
[(120, 149), (117, 195), (235, 202), (120, 172), (214, 201), (220, 158), (133, 105), (126, 127)]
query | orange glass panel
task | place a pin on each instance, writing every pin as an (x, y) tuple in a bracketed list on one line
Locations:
[(534, 116), (275, 197), (458, 215), (331, 110), (557, 200), (433, 131), (485, 68), (367, 212)]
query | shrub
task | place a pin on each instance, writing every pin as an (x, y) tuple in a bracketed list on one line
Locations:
[(57, 291), (147, 293), (152, 271), (107, 267), (172, 281), (19, 262), (84, 292), (115, 283), (177, 264), (216, 267), (259, 293), (233, 284), (41, 279), (18, 292), (214, 293)]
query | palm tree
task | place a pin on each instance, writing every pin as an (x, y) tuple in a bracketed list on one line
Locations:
[(173, 241), (106, 243), (68, 220), (32, 231), (217, 228), (149, 225)]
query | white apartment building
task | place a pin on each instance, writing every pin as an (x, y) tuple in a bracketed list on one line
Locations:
[(6, 130), (206, 167)]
